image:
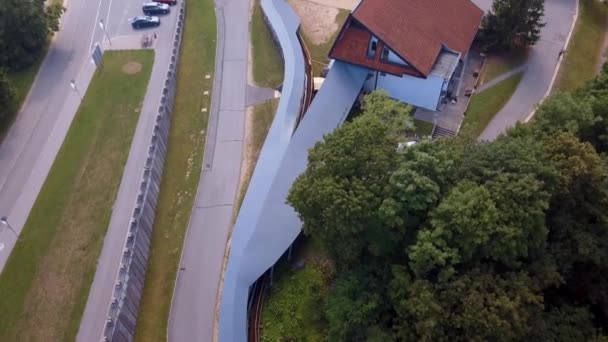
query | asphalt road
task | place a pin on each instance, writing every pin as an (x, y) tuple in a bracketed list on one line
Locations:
[(192, 311), (30, 147), (541, 66), (34, 139)]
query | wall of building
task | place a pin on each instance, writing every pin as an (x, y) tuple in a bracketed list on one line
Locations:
[(393, 58), (419, 92)]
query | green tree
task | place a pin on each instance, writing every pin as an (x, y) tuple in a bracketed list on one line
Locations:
[(501, 221), (564, 112), (512, 22), (354, 306), (24, 28), (468, 241), (340, 192), (477, 306), (565, 323), (6, 94)]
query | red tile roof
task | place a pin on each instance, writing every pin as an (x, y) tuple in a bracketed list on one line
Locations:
[(417, 29), (352, 48)]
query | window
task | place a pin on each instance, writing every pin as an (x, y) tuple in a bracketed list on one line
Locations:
[(384, 56), (373, 46), (389, 56)]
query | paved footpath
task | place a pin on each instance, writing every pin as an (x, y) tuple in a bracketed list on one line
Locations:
[(193, 307), (559, 15)]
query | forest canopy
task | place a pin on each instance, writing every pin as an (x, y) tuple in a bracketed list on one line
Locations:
[(461, 240)]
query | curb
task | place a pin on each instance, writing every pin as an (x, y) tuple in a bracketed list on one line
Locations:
[(559, 63)]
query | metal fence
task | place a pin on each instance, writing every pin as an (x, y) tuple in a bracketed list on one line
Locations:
[(128, 288)]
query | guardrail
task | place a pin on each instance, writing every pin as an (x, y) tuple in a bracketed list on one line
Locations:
[(124, 307)]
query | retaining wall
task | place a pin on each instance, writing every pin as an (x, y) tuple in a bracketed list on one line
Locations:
[(128, 288)]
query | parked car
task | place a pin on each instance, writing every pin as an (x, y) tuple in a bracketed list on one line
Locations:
[(151, 8), (145, 21), (168, 2)]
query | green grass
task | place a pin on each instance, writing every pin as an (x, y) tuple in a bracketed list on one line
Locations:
[(583, 53), (423, 128), (267, 62), (46, 281), (293, 311), (319, 53), (496, 65), (263, 114), (485, 105), (182, 168)]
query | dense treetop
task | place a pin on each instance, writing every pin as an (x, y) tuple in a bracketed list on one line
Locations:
[(462, 240), (512, 22), (25, 26)]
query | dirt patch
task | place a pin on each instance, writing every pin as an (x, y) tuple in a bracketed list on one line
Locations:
[(343, 4), (131, 68), (318, 21)]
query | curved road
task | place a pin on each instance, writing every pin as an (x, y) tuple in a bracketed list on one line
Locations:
[(537, 78)]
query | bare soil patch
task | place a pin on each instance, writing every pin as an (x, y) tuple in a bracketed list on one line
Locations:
[(318, 21), (131, 68)]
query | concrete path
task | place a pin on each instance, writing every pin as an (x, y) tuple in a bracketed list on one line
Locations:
[(256, 95), (540, 68), (30, 147), (100, 295), (500, 78), (194, 301)]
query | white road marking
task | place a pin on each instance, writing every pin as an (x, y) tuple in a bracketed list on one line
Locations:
[(95, 23), (107, 22)]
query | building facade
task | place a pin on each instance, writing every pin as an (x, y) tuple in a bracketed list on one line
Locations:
[(411, 48)]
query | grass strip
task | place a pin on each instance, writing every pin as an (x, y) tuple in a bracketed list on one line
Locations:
[(47, 278), (423, 128), (485, 105), (182, 168), (268, 66), (263, 114), (497, 65), (583, 53)]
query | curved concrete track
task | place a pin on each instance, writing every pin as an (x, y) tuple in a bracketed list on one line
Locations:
[(193, 307), (538, 76)]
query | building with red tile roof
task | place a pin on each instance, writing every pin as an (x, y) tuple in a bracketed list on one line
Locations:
[(412, 48)]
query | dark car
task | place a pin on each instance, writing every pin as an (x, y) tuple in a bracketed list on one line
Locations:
[(151, 8), (145, 21), (168, 2)]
